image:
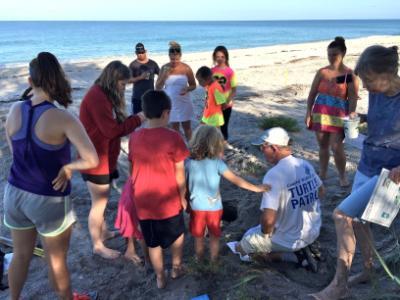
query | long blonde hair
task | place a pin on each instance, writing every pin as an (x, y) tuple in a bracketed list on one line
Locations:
[(108, 82), (206, 142)]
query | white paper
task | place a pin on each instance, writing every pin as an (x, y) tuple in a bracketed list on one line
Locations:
[(232, 246), (384, 203)]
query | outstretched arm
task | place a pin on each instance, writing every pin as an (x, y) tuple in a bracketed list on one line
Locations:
[(240, 182)]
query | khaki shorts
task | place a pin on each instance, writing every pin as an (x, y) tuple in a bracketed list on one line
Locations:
[(255, 241), (50, 215)]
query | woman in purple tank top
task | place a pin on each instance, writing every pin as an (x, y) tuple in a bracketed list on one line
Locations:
[(36, 197)]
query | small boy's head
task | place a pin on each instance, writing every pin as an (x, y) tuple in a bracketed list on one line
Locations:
[(206, 142), (204, 76), (155, 103)]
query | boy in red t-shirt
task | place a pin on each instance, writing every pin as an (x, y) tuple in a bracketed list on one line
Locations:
[(157, 155), (215, 97)]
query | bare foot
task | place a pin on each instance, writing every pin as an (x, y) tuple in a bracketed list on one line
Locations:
[(108, 235), (331, 292), (177, 271), (322, 175), (106, 252), (161, 281), (134, 258), (362, 277), (344, 182)]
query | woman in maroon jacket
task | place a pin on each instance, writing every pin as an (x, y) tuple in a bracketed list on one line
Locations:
[(102, 112)]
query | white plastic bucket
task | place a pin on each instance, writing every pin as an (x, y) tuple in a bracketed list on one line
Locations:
[(351, 127)]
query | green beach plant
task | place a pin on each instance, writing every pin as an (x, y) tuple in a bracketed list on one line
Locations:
[(287, 123)]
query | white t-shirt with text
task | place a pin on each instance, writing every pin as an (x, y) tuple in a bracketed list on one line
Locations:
[(294, 195)]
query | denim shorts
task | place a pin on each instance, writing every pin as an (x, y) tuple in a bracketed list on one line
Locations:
[(355, 204)]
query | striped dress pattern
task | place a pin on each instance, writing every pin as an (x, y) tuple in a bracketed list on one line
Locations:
[(330, 107)]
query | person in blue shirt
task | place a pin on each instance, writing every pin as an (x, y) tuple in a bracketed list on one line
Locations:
[(204, 169), (378, 70)]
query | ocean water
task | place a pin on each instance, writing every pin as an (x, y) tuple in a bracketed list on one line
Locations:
[(21, 41)]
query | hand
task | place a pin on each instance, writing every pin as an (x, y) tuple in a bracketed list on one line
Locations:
[(141, 116), (353, 115), (262, 188), (307, 119), (62, 179), (143, 76), (394, 175), (227, 104), (184, 204)]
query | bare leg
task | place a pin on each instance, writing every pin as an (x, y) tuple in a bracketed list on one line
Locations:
[(145, 251), (106, 234), (56, 249), (23, 244), (176, 252), (157, 261), (131, 254), (199, 247), (323, 142), (187, 129), (365, 240), (99, 195), (214, 248), (336, 143), (346, 244)]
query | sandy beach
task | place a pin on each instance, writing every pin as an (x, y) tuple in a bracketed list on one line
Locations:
[(272, 81)]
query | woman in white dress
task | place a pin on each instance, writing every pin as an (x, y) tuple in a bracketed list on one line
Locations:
[(177, 80)]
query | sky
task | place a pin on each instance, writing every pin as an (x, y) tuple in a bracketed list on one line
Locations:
[(177, 10)]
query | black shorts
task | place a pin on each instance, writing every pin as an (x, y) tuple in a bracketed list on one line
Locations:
[(162, 232), (100, 179)]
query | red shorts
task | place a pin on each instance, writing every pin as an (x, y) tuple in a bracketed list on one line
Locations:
[(200, 219)]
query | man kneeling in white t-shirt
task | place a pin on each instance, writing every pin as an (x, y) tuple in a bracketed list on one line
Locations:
[(291, 216)]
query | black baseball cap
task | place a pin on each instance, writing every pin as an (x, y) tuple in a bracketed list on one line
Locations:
[(139, 48)]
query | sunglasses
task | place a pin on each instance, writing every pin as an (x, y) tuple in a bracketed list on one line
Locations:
[(140, 52), (174, 51), (265, 145)]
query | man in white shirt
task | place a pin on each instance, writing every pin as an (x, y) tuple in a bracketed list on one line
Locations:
[(291, 216)]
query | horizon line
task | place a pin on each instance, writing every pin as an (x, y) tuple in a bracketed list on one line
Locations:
[(254, 20)]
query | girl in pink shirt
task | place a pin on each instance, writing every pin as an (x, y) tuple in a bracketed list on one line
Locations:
[(227, 79)]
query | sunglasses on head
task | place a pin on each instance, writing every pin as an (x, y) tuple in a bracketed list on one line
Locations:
[(174, 51)]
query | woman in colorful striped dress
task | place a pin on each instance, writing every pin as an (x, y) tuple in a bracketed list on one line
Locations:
[(333, 96)]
